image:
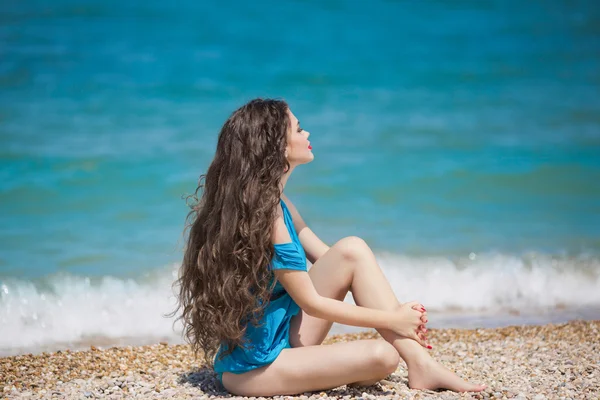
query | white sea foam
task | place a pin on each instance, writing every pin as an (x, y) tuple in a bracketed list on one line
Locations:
[(73, 309), (67, 309), (495, 282)]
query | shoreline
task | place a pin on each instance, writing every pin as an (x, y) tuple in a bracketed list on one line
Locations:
[(526, 362), (438, 320)]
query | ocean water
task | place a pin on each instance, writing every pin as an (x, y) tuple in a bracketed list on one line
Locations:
[(461, 140)]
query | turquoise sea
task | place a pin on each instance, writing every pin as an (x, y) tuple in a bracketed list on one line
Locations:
[(460, 139)]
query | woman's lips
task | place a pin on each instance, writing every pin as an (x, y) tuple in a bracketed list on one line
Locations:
[(309, 147)]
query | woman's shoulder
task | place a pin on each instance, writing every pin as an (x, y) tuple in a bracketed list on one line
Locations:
[(286, 202), (280, 232)]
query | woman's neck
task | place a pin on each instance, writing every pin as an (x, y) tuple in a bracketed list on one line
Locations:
[(284, 179)]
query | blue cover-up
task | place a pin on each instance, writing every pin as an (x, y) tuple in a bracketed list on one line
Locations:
[(268, 340)]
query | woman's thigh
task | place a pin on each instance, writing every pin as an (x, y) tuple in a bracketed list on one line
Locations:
[(310, 368), (332, 277)]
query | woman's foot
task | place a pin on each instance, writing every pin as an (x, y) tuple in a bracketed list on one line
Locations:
[(430, 374)]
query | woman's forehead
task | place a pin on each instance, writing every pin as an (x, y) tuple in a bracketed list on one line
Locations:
[(293, 119)]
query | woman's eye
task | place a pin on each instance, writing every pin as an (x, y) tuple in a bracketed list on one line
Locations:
[(300, 129)]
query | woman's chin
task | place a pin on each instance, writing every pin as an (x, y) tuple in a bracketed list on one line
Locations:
[(305, 160)]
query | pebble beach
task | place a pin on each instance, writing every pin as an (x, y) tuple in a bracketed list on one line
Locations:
[(554, 361)]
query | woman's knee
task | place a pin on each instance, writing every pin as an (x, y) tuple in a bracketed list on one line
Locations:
[(352, 247), (384, 357)]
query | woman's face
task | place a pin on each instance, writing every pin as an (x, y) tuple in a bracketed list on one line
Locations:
[(298, 147)]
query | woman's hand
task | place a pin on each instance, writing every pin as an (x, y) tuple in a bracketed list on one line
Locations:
[(409, 321), (421, 332)]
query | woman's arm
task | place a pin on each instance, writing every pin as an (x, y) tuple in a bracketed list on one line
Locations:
[(313, 246), (404, 321), (300, 287)]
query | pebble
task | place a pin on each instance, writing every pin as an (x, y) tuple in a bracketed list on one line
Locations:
[(526, 362)]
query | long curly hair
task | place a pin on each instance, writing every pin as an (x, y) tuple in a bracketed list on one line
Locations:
[(224, 282)]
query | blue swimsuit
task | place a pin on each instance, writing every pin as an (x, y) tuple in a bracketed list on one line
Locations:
[(267, 341)]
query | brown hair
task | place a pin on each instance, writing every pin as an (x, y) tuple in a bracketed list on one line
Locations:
[(224, 282)]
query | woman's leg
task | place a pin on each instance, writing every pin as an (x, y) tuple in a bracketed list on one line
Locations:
[(310, 368), (350, 265)]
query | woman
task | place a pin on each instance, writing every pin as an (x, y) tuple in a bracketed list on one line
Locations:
[(246, 295)]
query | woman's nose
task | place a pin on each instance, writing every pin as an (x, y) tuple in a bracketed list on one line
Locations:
[(307, 133)]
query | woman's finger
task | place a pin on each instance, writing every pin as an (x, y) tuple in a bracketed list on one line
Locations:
[(423, 340), (418, 322), (417, 306), (419, 340)]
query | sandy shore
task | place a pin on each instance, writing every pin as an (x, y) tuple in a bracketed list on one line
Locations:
[(530, 362)]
